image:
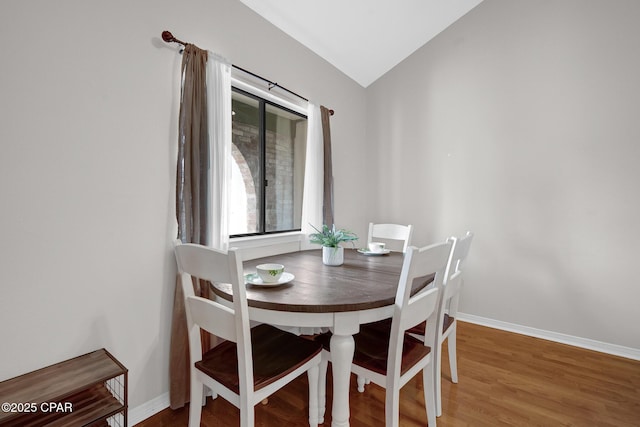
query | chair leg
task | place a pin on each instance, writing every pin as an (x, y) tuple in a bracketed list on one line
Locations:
[(247, 415), (361, 381), (392, 407), (195, 402), (428, 374), (437, 387), (453, 358), (322, 388), (312, 375), (204, 395)]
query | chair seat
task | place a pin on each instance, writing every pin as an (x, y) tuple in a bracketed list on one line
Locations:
[(420, 328), (275, 354), (372, 348)]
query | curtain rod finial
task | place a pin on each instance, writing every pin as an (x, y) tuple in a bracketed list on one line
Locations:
[(167, 36)]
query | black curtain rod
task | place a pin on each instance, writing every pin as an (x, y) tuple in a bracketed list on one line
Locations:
[(169, 38)]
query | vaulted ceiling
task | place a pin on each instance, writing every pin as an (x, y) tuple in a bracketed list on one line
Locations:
[(362, 38)]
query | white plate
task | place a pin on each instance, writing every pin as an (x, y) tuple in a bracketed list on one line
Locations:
[(367, 252), (255, 280)]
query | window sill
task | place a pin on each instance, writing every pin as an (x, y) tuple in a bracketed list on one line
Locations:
[(290, 236), (273, 244)]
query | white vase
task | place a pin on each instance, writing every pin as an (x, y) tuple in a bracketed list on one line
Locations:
[(333, 256)]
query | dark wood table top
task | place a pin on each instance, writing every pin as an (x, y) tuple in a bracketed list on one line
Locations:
[(361, 283)]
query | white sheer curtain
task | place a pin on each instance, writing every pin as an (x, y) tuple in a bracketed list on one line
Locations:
[(313, 192), (313, 176), (219, 118)]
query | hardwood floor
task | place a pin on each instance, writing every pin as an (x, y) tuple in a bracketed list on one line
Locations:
[(505, 379)]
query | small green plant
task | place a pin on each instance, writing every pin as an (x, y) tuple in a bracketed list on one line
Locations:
[(331, 237)]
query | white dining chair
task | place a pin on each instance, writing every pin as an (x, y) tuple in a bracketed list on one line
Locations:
[(250, 364), (448, 315), (391, 232), (391, 359), (387, 232)]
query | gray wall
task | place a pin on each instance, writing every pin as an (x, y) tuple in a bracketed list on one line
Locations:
[(520, 122), (88, 111)]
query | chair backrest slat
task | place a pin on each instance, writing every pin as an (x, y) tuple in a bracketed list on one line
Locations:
[(213, 317), (454, 284), (419, 308), (204, 264), (420, 262), (391, 232)]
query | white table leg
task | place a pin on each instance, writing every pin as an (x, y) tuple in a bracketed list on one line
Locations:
[(342, 347)]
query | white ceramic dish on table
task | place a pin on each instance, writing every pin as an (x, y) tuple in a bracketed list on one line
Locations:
[(367, 252), (270, 272), (255, 280)]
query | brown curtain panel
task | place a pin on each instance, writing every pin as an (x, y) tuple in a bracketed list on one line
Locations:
[(327, 205), (192, 208)]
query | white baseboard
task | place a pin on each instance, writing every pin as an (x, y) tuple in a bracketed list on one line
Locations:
[(148, 409), (152, 407), (603, 347)]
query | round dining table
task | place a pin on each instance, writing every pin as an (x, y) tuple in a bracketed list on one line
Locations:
[(341, 298)]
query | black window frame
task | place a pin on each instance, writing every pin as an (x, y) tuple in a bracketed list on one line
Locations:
[(262, 135)]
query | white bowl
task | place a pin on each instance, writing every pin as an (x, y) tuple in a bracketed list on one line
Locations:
[(270, 273)]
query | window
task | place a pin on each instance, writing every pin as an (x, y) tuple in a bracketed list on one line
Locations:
[(268, 150)]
